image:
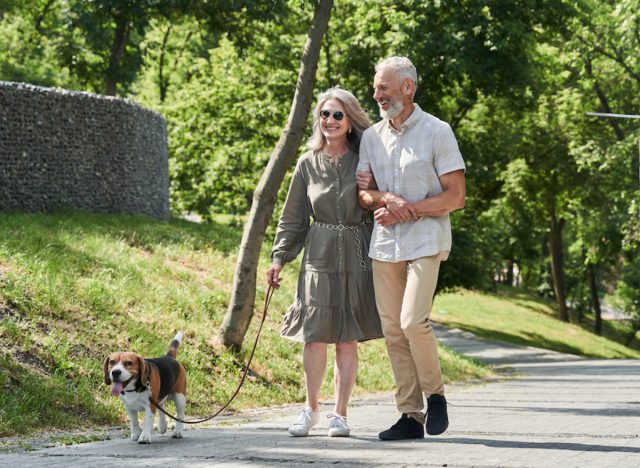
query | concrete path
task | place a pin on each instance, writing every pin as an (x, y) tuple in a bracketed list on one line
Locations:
[(556, 410)]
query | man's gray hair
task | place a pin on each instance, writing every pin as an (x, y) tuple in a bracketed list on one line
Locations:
[(402, 66)]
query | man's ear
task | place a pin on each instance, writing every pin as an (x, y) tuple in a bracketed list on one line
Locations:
[(408, 87)]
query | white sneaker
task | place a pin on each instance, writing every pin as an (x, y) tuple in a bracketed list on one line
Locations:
[(306, 420), (338, 426)]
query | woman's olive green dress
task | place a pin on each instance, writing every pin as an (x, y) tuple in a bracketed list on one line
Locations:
[(335, 300)]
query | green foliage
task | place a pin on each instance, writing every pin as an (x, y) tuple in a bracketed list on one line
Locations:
[(467, 267), (629, 287), (28, 48), (459, 48), (223, 126)]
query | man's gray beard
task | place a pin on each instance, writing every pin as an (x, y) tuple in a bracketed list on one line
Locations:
[(393, 111)]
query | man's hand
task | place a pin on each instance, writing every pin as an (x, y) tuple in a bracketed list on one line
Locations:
[(366, 181), (384, 217), (273, 275), (399, 207)]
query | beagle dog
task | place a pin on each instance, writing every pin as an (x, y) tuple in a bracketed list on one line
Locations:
[(135, 379)]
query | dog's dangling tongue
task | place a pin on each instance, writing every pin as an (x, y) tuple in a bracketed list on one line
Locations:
[(116, 389)]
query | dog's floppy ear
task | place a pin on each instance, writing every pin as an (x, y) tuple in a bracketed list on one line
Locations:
[(107, 380), (144, 371)]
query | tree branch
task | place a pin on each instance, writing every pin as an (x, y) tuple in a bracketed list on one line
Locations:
[(604, 102)]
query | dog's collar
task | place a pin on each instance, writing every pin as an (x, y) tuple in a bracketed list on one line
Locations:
[(124, 385), (137, 389)]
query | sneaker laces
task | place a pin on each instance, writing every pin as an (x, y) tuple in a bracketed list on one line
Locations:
[(337, 420), (304, 417)]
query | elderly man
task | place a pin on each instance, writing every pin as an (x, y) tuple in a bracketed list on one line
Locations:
[(411, 173)]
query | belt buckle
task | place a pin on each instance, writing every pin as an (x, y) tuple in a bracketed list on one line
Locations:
[(340, 227)]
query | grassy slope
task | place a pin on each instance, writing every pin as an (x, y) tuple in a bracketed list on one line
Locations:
[(74, 287), (520, 318)]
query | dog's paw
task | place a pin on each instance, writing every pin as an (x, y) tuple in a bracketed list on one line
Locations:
[(144, 439), (177, 434), (135, 435)]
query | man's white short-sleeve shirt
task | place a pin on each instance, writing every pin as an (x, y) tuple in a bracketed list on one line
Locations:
[(408, 163)]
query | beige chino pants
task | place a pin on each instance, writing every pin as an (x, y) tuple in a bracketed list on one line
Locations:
[(404, 296)]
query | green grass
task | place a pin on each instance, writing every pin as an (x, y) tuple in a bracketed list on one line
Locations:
[(514, 316), (75, 287)]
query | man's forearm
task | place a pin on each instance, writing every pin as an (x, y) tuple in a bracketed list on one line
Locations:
[(439, 205), (370, 199), (451, 199)]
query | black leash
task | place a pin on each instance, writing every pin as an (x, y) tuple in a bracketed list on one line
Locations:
[(267, 301)]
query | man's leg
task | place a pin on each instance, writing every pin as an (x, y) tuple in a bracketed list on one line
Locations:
[(416, 309), (389, 281), (422, 278)]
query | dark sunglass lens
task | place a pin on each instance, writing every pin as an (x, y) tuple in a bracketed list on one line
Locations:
[(337, 115)]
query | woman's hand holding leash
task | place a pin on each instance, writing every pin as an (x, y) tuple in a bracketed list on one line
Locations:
[(273, 275)]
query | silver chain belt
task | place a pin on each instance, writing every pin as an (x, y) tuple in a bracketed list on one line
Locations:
[(357, 240)]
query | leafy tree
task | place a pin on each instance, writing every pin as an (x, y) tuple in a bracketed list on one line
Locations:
[(605, 70), (221, 124), (28, 48)]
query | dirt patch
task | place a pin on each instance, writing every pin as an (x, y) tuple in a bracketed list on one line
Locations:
[(48, 439)]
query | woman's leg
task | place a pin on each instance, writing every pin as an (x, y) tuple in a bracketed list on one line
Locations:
[(345, 371), (314, 359)]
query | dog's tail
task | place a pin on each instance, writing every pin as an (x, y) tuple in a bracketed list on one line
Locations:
[(175, 344)]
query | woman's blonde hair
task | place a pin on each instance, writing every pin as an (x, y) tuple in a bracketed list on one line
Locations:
[(357, 116)]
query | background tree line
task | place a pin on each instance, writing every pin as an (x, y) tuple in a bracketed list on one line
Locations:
[(553, 194)]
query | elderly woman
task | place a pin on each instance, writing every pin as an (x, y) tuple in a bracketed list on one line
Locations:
[(335, 301)]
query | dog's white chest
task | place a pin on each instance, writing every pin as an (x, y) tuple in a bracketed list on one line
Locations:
[(136, 401)]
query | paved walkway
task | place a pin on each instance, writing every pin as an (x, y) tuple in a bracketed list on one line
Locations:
[(557, 411)]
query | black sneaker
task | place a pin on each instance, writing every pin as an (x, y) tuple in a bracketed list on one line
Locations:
[(437, 419), (405, 428)]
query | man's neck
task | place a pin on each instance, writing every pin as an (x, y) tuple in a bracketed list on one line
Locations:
[(397, 121)]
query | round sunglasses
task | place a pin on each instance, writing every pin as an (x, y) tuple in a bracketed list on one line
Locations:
[(337, 115)]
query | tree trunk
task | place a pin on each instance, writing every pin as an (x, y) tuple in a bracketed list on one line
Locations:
[(163, 83), (240, 311), (594, 299), (557, 265), (117, 52)]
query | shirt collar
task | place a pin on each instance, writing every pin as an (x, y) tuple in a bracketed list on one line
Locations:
[(410, 122)]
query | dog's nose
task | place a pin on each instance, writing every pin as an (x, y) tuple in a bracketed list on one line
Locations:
[(115, 373)]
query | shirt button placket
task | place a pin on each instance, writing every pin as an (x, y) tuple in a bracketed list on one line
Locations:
[(396, 189)]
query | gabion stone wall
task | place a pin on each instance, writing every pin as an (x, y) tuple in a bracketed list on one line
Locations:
[(70, 150)]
